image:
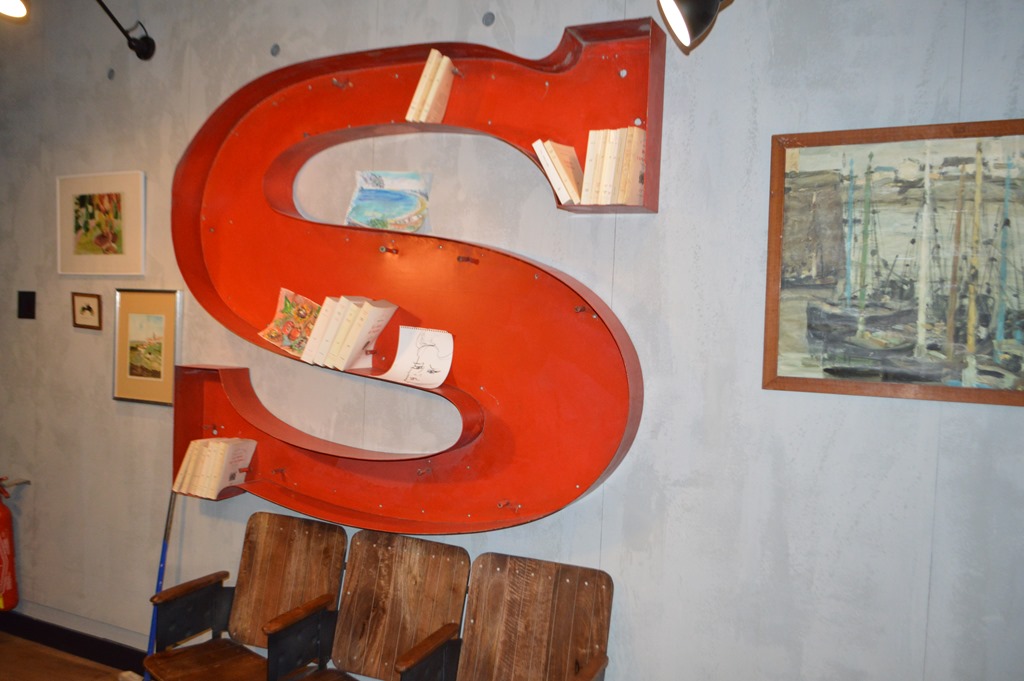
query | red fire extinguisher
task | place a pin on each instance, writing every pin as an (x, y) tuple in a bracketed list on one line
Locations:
[(8, 578)]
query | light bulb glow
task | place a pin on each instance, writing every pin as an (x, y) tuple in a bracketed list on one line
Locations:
[(14, 9), (676, 22)]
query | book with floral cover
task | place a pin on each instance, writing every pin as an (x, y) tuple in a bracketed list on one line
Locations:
[(292, 323)]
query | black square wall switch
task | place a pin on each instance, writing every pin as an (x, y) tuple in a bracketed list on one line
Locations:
[(26, 304)]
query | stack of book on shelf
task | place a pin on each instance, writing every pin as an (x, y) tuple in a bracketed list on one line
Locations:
[(430, 99), (345, 330), (613, 173), (212, 464)]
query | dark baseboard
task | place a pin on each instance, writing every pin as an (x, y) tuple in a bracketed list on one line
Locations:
[(99, 650)]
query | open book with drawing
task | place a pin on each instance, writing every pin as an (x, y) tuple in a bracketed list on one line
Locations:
[(423, 358), (294, 320), (390, 199)]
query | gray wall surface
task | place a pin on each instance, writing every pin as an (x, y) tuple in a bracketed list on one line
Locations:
[(751, 534)]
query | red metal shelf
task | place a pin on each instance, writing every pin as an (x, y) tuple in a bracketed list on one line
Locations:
[(545, 378)]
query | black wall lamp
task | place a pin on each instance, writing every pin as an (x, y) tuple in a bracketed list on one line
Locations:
[(143, 47), (690, 20)]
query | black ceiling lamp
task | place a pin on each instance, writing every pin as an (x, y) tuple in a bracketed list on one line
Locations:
[(143, 47), (14, 10), (689, 20)]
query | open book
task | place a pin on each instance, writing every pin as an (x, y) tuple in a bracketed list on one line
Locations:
[(346, 313), (614, 170), (630, 186), (423, 358), (562, 166), (316, 336), (370, 319), (430, 99), (212, 464), (293, 322)]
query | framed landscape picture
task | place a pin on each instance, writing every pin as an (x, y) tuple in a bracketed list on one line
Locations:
[(146, 345), (896, 263), (101, 224)]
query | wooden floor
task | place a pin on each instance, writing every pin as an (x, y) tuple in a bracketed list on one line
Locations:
[(22, 660)]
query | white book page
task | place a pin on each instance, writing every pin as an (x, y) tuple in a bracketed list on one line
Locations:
[(423, 358)]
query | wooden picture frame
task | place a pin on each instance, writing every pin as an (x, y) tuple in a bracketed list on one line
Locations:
[(932, 307), (148, 324), (86, 311), (101, 226)]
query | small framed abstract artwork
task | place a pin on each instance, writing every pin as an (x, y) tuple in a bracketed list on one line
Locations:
[(146, 344), (101, 224), (895, 260), (87, 311)]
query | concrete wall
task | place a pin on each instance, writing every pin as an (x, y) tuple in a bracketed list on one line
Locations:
[(750, 534)]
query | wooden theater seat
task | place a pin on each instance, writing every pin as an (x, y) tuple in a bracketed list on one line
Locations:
[(288, 564), (533, 620), (401, 596)]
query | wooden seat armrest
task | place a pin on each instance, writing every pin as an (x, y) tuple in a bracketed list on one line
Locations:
[(593, 670), (429, 645), (285, 620), (302, 635), (188, 587), (188, 609)]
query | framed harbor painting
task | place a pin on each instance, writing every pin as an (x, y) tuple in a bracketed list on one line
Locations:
[(101, 224), (896, 263), (146, 344)]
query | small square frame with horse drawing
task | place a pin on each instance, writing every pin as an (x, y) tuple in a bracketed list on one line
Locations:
[(87, 311)]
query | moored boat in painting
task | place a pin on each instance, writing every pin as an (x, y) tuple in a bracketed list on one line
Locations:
[(968, 327), (868, 302), (995, 344), (813, 253), (866, 354)]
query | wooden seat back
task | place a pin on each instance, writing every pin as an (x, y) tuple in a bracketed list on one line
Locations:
[(285, 562), (533, 620), (398, 590)]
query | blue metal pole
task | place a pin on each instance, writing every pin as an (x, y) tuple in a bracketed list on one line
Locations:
[(160, 575)]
